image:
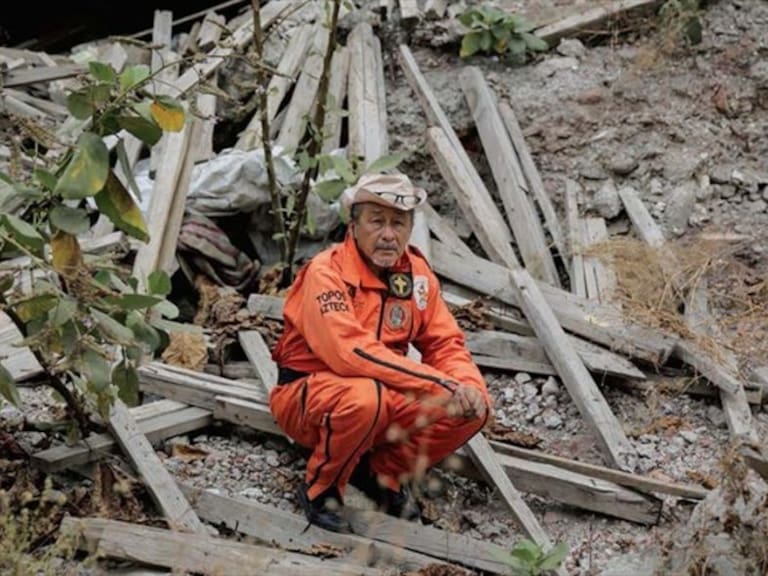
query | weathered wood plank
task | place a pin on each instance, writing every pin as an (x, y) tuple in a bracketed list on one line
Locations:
[(26, 76), (157, 427), (444, 232), (337, 89), (756, 461), (258, 354), (501, 156), (645, 226), (198, 553), (289, 67), (436, 117), (582, 388), (619, 477), (593, 321), (211, 30), (157, 479), (18, 360), (534, 183), (599, 276), (501, 316), (290, 531), (367, 120), (575, 224), (245, 413), (579, 490), (409, 10), (486, 222), (303, 101)]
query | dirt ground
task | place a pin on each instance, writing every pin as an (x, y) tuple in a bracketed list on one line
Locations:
[(686, 128)]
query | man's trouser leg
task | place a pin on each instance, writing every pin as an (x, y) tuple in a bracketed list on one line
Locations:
[(337, 417), (418, 436)]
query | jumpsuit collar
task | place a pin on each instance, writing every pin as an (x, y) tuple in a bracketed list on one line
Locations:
[(356, 272)]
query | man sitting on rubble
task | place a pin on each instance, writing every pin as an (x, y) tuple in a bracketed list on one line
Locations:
[(371, 416)]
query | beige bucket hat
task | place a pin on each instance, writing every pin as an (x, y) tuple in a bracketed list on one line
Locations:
[(393, 190)]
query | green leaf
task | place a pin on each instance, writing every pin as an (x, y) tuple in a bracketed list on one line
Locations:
[(554, 557), (70, 337), (143, 331), (111, 327), (122, 157), (132, 76), (64, 311), (80, 105), (8, 388), (7, 192), (96, 369), (384, 163), (534, 42), (159, 283), (486, 42), (168, 309), (467, 17), (311, 224), (126, 379), (343, 168), (693, 30), (45, 178), (87, 171), (23, 233), (72, 220), (501, 32), (35, 307), (168, 114), (133, 301), (523, 25), (171, 326), (99, 94), (330, 189), (470, 44), (102, 72), (145, 130), (516, 46), (526, 551), (116, 203)]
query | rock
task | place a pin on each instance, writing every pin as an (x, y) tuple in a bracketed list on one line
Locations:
[(272, 459), (522, 377), (715, 415), (759, 72), (590, 96), (556, 64), (571, 47), (551, 419), (550, 387), (681, 164), (643, 563), (606, 201), (725, 191), (623, 165), (647, 450), (592, 171), (680, 204), (11, 417), (704, 191), (473, 517), (254, 493), (533, 410), (550, 401), (509, 396), (758, 206), (491, 529), (530, 391), (721, 174), (689, 436)]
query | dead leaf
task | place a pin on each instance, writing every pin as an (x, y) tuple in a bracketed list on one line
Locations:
[(472, 316), (720, 99), (706, 480), (187, 453), (514, 437), (429, 511), (438, 570), (186, 350), (322, 550), (66, 253)]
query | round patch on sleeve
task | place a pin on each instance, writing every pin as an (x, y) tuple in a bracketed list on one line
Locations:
[(421, 291)]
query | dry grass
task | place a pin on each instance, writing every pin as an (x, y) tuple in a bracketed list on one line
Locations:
[(654, 284)]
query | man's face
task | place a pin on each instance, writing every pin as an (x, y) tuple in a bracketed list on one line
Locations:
[(382, 234)]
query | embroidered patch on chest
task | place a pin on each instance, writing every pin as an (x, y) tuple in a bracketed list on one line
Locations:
[(421, 291), (400, 285), (397, 317)]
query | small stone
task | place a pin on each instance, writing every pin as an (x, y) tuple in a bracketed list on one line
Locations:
[(509, 396), (571, 47), (254, 493), (473, 517), (726, 191), (522, 377), (550, 387), (556, 64), (689, 436), (623, 165), (646, 450), (715, 415), (530, 391), (533, 410), (550, 401), (590, 96), (758, 206), (680, 205), (552, 419), (272, 459), (606, 200)]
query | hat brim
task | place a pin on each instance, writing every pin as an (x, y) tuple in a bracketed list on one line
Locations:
[(404, 203)]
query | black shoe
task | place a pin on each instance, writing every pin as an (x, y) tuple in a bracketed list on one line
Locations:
[(400, 504), (323, 510)]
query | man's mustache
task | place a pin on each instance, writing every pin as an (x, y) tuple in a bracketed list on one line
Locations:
[(386, 246)]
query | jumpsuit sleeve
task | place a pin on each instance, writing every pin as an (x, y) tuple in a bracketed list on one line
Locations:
[(334, 334), (443, 345)]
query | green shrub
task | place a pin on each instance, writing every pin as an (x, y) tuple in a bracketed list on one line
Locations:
[(494, 31)]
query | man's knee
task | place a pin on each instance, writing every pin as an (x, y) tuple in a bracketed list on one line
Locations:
[(362, 400)]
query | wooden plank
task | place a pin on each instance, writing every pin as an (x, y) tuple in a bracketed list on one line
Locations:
[(503, 317), (582, 388), (168, 202), (619, 477), (575, 250), (409, 10), (453, 547), (595, 358), (258, 354), (756, 461), (220, 54), (436, 117), (435, 9), (172, 422), (578, 490), (590, 320), (443, 231), (642, 221), (486, 461), (46, 106), (245, 413), (367, 106), (501, 156), (12, 106), (290, 531), (535, 186), (202, 149), (337, 89), (26, 76), (198, 553), (18, 360), (513, 364), (486, 222), (162, 36), (303, 101), (592, 18), (211, 29), (269, 306), (600, 279), (158, 481), (288, 68)]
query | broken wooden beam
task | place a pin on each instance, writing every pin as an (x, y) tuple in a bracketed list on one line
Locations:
[(195, 553), (581, 387), (501, 156), (337, 92), (258, 354), (600, 279), (18, 360), (590, 320), (156, 420), (755, 460), (26, 76)]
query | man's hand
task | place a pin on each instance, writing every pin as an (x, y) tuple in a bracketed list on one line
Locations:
[(468, 402)]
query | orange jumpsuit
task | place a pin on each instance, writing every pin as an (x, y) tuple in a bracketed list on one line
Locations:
[(347, 387)]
